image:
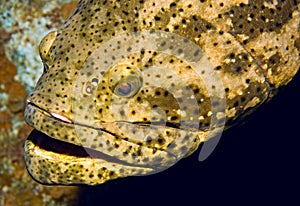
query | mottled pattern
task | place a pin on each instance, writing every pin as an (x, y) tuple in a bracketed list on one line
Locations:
[(252, 45)]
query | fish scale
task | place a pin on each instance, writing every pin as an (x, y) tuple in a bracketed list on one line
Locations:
[(131, 87)]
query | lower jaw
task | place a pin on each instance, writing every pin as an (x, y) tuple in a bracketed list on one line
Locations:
[(51, 161)]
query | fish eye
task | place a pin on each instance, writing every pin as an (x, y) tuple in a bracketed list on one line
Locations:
[(124, 80), (128, 86)]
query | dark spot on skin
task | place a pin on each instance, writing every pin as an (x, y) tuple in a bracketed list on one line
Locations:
[(297, 44), (236, 67), (160, 140), (174, 118), (274, 63), (218, 68)]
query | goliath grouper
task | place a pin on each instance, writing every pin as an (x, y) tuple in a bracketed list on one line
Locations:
[(131, 87)]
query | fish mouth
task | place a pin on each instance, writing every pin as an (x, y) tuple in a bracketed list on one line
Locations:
[(51, 160), (44, 141), (48, 143), (60, 147), (44, 151)]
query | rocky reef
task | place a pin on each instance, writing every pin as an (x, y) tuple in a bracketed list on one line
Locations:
[(22, 26)]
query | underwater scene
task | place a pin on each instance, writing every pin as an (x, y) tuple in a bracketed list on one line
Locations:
[(23, 24), (146, 124)]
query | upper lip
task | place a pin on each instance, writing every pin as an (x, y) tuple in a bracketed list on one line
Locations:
[(176, 125)]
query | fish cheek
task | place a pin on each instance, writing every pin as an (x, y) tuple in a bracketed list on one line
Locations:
[(161, 106)]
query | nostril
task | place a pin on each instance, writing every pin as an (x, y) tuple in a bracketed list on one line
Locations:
[(45, 68), (46, 44)]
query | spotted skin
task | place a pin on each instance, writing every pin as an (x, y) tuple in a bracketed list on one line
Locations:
[(253, 46)]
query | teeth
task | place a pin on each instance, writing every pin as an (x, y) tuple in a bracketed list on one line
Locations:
[(60, 117)]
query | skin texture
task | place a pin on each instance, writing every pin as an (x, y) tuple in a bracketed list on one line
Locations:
[(253, 46)]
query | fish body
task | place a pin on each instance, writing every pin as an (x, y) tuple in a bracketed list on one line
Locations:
[(131, 87)]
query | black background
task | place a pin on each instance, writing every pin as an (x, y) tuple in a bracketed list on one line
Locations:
[(254, 164)]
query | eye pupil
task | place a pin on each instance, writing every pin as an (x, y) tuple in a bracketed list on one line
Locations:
[(128, 86), (124, 81), (124, 88)]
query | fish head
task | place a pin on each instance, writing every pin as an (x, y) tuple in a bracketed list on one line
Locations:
[(131, 87), (129, 106)]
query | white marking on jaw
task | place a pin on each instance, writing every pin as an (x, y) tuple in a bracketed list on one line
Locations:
[(60, 117)]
